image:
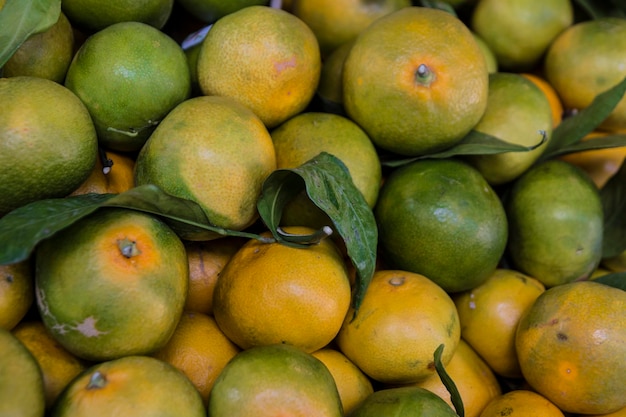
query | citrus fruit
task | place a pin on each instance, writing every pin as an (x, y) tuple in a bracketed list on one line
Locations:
[(587, 59), (130, 386), (122, 269), (58, 366), (555, 223), (21, 382), (46, 54), (17, 293), (440, 218), (273, 293), (490, 57), (274, 380), (206, 260), (553, 98), (129, 75), (405, 76), (330, 86), (520, 31), (220, 158), (517, 112), (48, 144), (619, 413), (403, 402), (353, 385), (94, 15), (211, 10), (336, 22), (475, 381), (489, 315), (401, 321), (119, 176), (522, 403), (571, 345), (199, 349), (615, 263), (265, 58)]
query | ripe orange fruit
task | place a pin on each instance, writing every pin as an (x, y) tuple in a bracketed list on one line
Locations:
[(489, 315), (130, 386), (121, 269), (265, 58), (520, 31), (17, 293), (571, 346), (129, 75), (403, 402), (272, 293), (221, 157), (555, 223), (93, 15), (406, 74), (440, 218), (199, 349), (21, 382), (48, 144), (587, 59), (119, 178), (402, 320), (275, 380), (521, 403)]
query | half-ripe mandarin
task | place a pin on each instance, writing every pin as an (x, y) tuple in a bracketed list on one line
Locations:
[(21, 382), (571, 345), (553, 98), (214, 151), (619, 413), (406, 76), (211, 10), (517, 112), (275, 380), (587, 59), (521, 403), (353, 385), (490, 58), (273, 293), (440, 218), (130, 386), (475, 381), (199, 349), (403, 402), (58, 366), (402, 320), (48, 144), (615, 263), (520, 31), (46, 54), (17, 293), (263, 57), (489, 315), (336, 22), (555, 223), (94, 15), (206, 261), (116, 178), (330, 87), (126, 273), (129, 75)]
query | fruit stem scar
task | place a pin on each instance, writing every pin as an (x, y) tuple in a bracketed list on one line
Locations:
[(423, 75), (128, 247), (97, 381)]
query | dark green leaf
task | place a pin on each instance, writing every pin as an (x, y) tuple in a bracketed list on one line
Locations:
[(617, 280), (20, 19), (329, 186), (611, 141), (455, 396), (572, 129), (602, 8), (474, 143), (613, 196)]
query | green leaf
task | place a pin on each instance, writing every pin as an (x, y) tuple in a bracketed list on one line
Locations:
[(329, 186), (474, 143), (613, 196), (20, 19), (616, 280), (602, 8), (455, 396), (601, 142), (572, 129)]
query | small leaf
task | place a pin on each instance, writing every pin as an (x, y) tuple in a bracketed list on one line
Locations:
[(613, 196), (474, 143), (601, 142), (572, 129), (329, 186), (616, 280), (455, 396), (20, 19)]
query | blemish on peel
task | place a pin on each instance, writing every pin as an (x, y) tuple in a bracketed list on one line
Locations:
[(283, 65), (88, 327)]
